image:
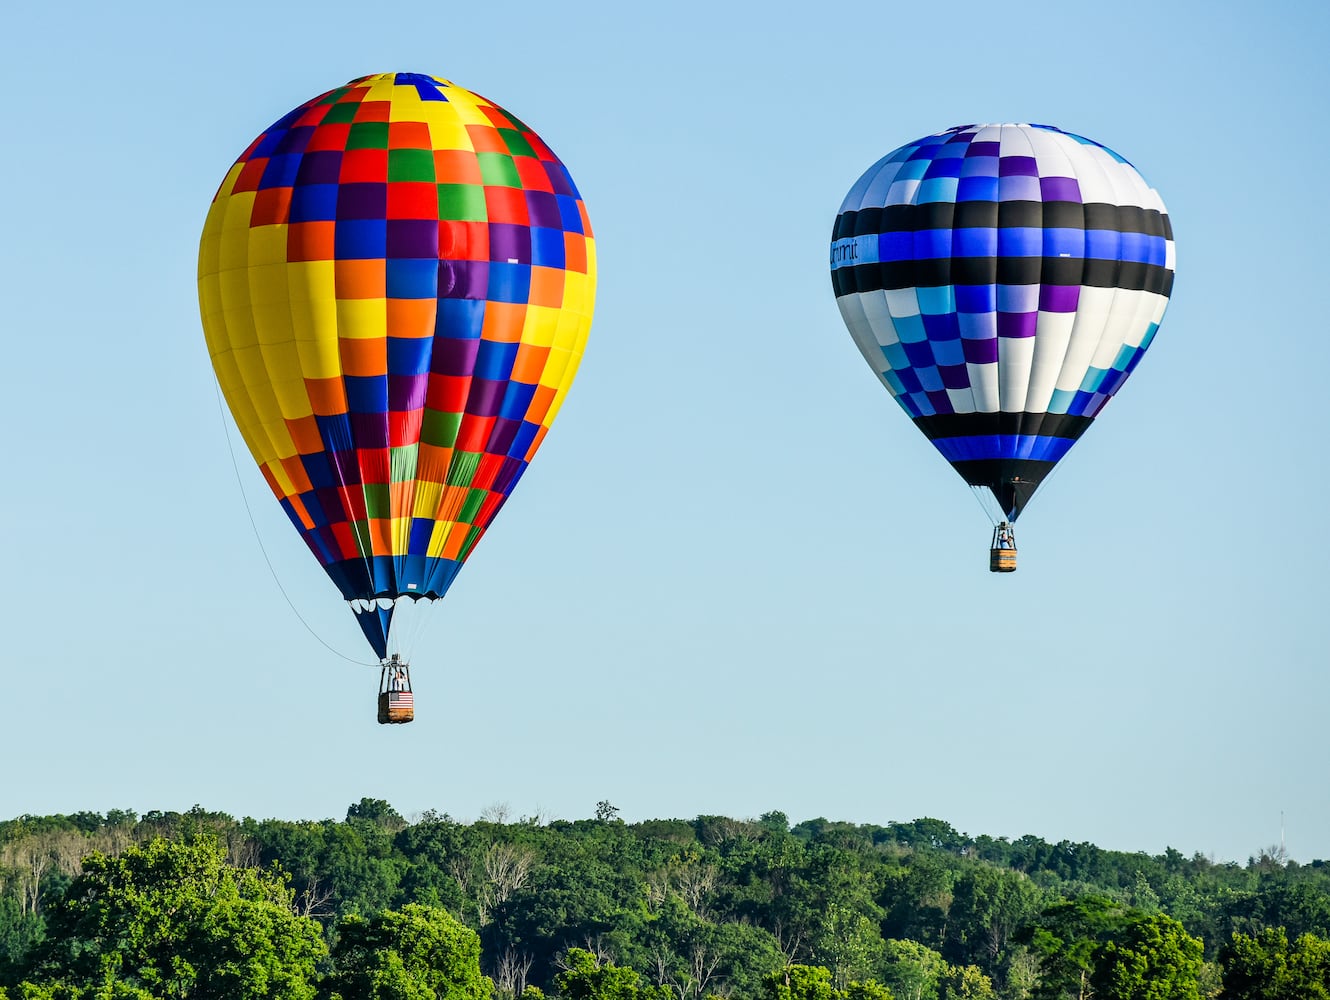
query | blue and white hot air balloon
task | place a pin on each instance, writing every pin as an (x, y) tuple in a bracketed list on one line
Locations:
[(1002, 281)]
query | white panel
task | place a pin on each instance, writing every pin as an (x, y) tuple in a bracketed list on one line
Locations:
[(1050, 155), (1094, 184), (984, 386), (902, 192), (1014, 142), (861, 331), (1121, 318), (1091, 316), (875, 307), (1052, 336), (962, 400), (902, 301), (875, 193), (1015, 355)]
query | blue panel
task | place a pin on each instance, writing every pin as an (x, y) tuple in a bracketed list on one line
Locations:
[(460, 319), (412, 279), (977, 189), (516, 401), (895, 355), (930, 378), (949, 352), (361, 239), (569, 216), (409, 355), (938, 189), (522, 441), (1064, 243), (931, 243), (910, 329), (314, 203), (1016, 241), (975, 243), (920, 355), (494, 360), (1041, 448), (945, 166), (976, 298), (366, 393), (896, 246), (944, 326), (280, 171), (1103, 244), (509, 282), (547, 247), (937, 300)]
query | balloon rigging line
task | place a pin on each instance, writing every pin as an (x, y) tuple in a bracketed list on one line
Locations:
[(235, 465)]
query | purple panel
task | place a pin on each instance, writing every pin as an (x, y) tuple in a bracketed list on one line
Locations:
[(1017, 324), (370, 429), (486, 395), (464, 279), (985, 148), (944, 326), (454, 356), (1059, 189), (1017, 166), (559, 179), (955, 376), (941, 401), (407, 392), (323, 166), (509, 471), (980, 352), (347, 465), (330, 499), (1059, 298), (542, 208), (362, 201), (509, 242), (413, 238), (501, 437)]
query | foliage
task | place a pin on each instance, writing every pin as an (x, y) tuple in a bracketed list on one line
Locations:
[(1265, 966), (418, 953)]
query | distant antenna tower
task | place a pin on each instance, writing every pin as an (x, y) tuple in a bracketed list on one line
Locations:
[(1283, 854)]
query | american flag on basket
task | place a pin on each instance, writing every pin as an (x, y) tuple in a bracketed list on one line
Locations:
[(401, 699)]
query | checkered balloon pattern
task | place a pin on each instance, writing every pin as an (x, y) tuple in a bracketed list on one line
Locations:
[(396, 282), (1002, 281)]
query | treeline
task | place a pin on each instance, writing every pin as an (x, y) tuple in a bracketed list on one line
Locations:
[(598, 909)]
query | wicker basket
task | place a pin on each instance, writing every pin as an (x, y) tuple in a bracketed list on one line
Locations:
[(396, 707)]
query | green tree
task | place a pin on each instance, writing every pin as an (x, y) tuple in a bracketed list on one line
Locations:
[(1064, 937), (178, 922), (583, 978), (417, 953), (808, 982), (913, 971), (1265, 966), (1154, 958)]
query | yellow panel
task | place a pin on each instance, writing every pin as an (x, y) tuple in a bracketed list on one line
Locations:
[(267, 245), (427, 499), (268, 289), (439, 537), (362, 318), (540, 325)]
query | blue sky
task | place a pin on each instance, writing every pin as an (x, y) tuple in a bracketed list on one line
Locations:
[(735, 579)]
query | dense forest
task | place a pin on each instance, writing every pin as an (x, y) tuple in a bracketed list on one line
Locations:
[(202, 905)]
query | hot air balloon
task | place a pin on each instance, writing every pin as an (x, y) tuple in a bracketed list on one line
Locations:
[(396, 281), (1002, 281)]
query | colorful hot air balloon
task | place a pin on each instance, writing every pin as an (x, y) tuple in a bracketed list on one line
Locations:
[(1002, 281), (396, 281)]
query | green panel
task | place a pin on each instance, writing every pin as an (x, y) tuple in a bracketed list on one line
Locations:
[(340, 113), (516, 142), (368, 135), (378, 502), (498, 170), (360, 529), (410, 165), (471, 536), (462, 202), (471, 507), (463, 468), (440, 428), (402, 463)]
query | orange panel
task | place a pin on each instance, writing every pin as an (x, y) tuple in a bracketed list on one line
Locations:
[(361, 279), (326, 395), (364, 355), (311, 241), (411, 317), (547, 286), (503, 322)]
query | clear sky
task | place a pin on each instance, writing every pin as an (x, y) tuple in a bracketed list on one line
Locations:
[(735, 579)]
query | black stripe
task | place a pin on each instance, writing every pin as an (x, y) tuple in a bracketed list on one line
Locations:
[(1012, 481), (1002, 215), (934, 273), (950, 425)]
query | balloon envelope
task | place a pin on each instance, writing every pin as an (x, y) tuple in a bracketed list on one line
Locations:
[(1002, 281), (396, 282)]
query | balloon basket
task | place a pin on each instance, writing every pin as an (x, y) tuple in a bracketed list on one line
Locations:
[(397, 704), (1002, 553)]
